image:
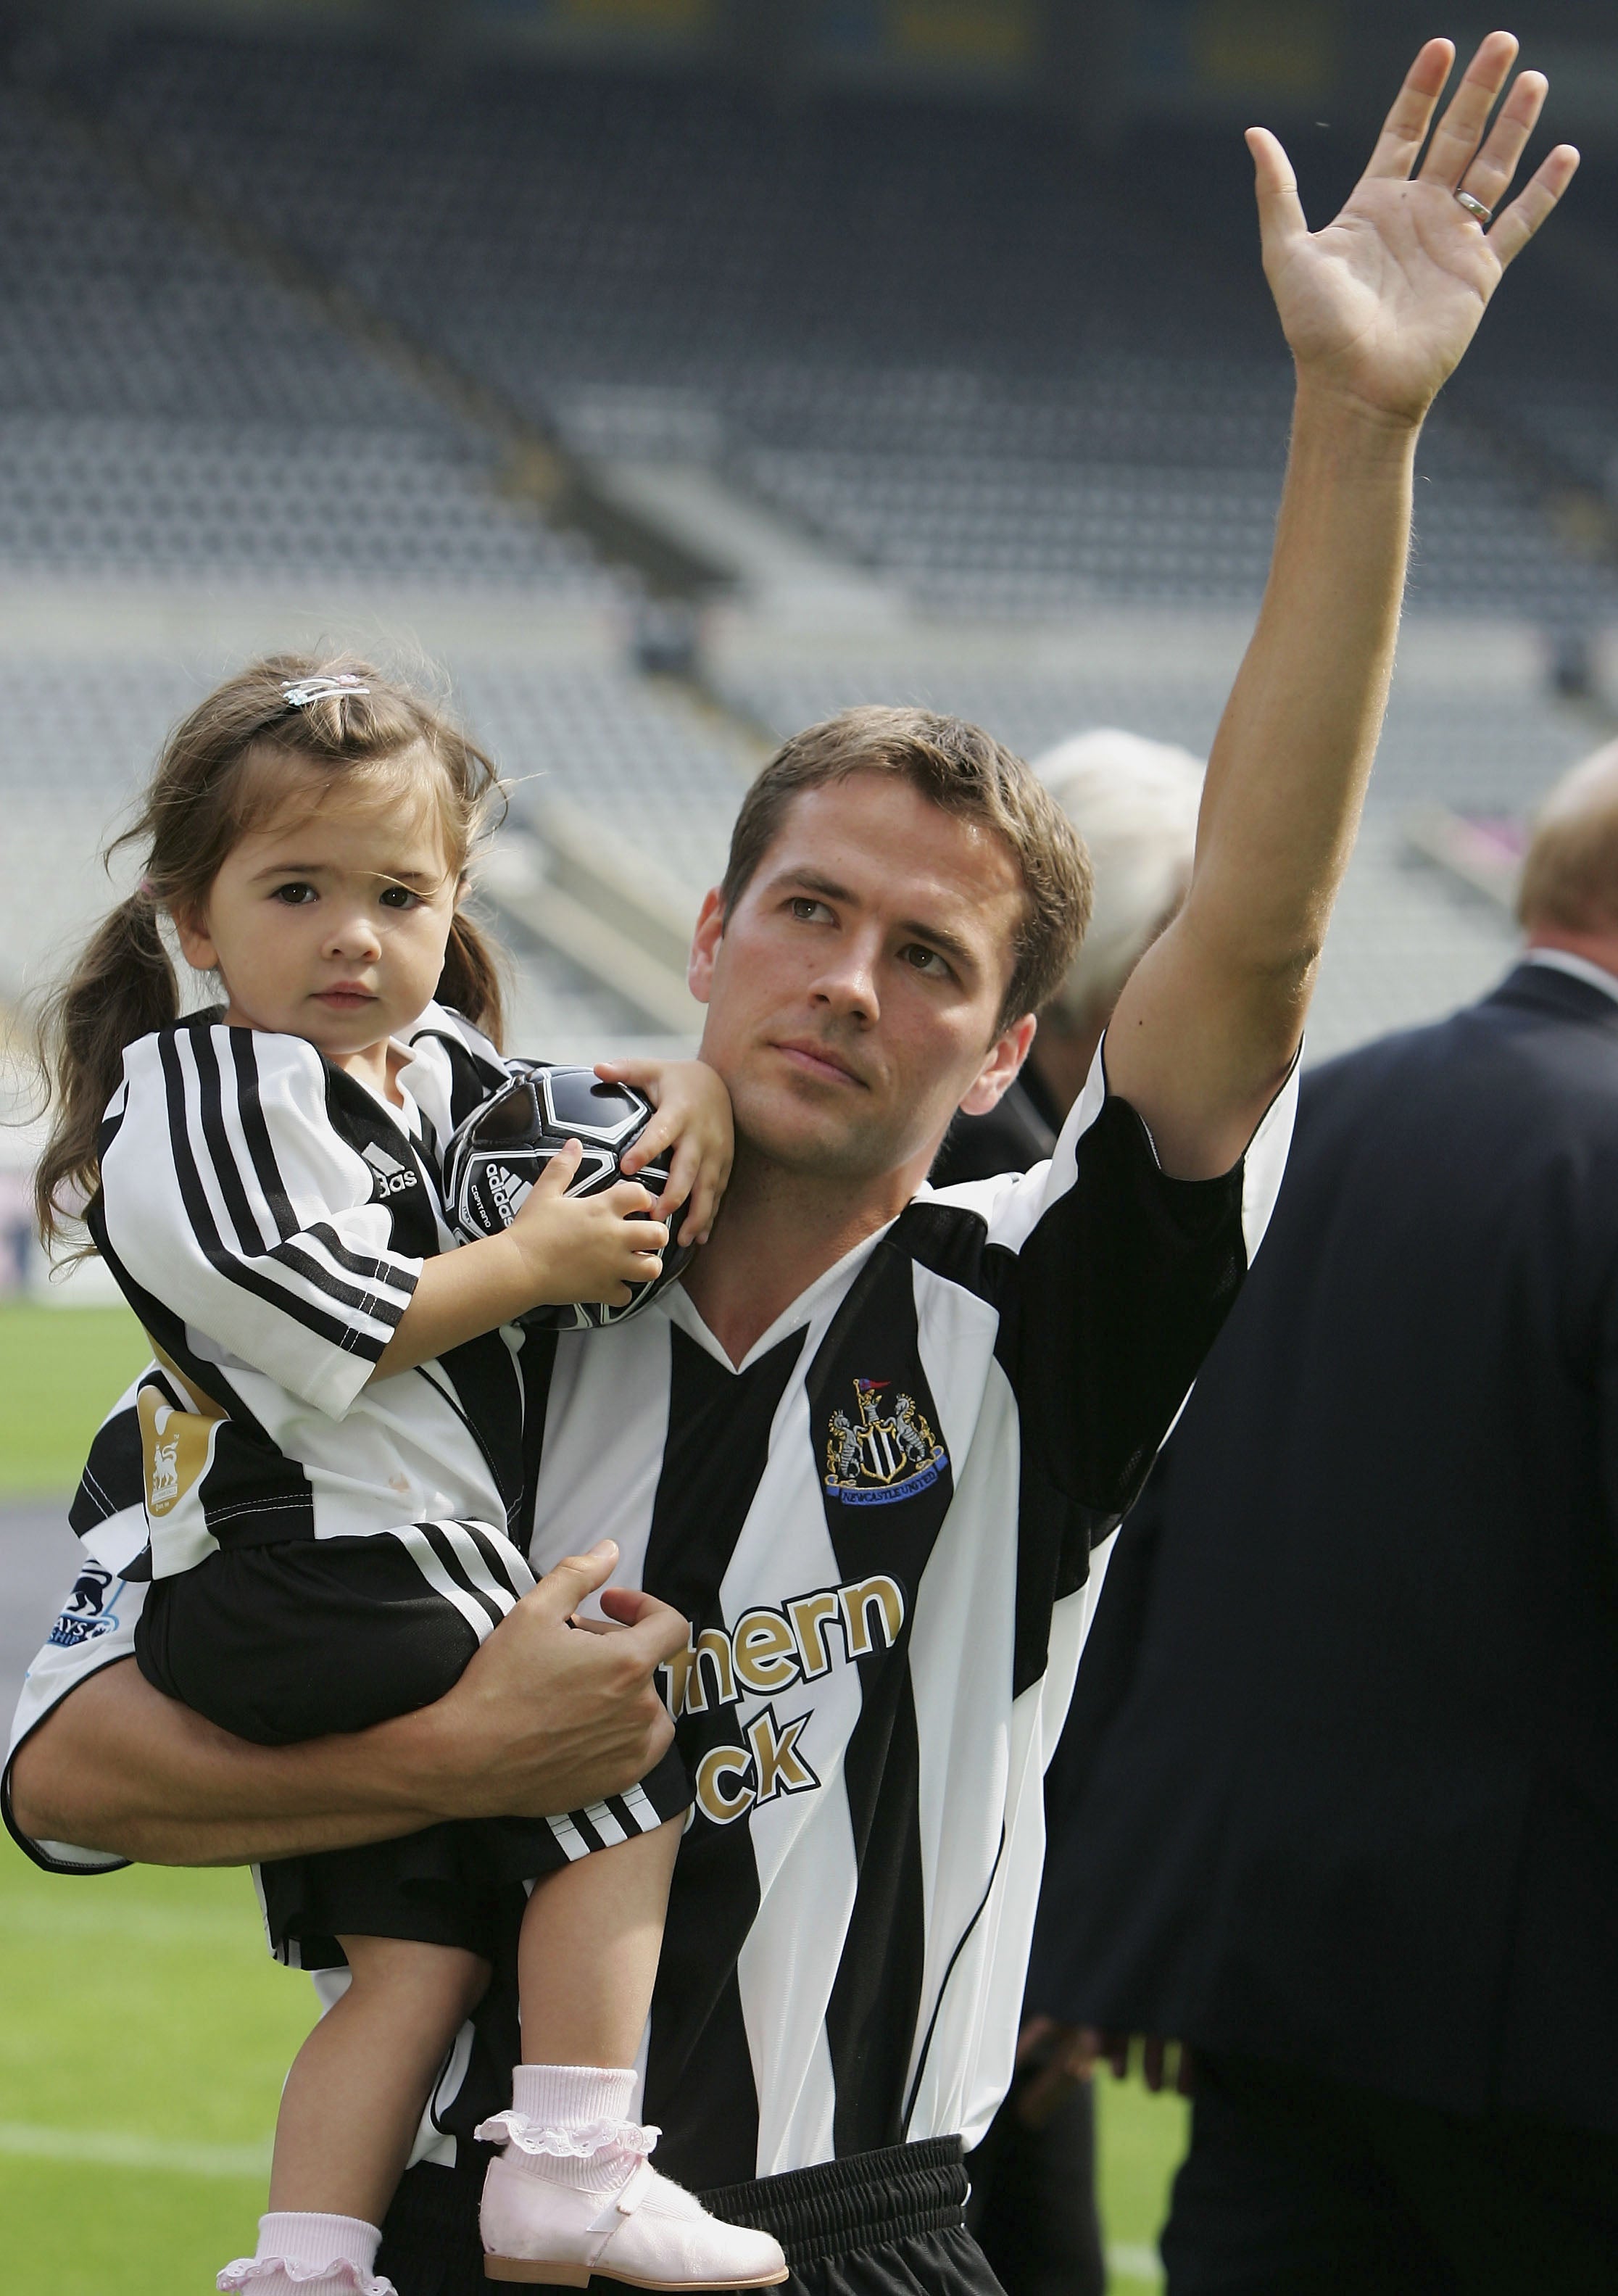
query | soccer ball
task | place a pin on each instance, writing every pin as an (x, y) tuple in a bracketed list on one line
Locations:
[(499, 1151)]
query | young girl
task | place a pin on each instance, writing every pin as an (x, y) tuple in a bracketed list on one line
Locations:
[(334, 1436)]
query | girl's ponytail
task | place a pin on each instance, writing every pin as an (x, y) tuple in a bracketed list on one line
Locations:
[(470, 978), (122, 988)]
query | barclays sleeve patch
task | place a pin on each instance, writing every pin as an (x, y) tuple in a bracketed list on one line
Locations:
[(89, 1610)]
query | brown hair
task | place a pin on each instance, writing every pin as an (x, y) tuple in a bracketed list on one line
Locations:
[(202, 799), (965, 772), (1570, 876)]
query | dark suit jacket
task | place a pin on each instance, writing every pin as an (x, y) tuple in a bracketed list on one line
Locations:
[(1341, 1785)]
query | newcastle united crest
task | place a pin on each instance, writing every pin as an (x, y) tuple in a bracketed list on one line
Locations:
[(878, 1456)]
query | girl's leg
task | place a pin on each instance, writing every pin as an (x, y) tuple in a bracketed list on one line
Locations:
[(348, 2113), (572, 2192), (587, 1959), (354, 2097)]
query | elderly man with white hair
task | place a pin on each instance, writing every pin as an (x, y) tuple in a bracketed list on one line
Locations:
[(1135, 803)]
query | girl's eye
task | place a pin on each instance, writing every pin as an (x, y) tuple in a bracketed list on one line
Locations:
[(295, 896), (399, 897)]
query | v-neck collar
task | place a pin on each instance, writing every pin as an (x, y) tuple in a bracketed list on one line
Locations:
[(682, 1311)]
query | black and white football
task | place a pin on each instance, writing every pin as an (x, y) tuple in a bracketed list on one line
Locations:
[(498, 1153)]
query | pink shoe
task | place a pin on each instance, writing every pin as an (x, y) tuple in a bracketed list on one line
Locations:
[(647, 2232)]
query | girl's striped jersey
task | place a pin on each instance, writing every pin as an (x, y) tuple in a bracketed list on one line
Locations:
[(887, 1527), (268, 1218)]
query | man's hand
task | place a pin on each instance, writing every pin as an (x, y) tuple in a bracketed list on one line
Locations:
[(1062, 2056), (543, 1719), (1381, 305), (1378, 308), (546, 1718)]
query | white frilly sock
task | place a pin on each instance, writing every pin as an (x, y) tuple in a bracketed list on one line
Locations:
[(300, 2254), (570, 2125)]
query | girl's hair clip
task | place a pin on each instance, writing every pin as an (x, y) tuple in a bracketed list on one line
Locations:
[(300, 691)]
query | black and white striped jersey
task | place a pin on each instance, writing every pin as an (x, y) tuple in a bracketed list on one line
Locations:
[(887, 1527), (268, 1218)]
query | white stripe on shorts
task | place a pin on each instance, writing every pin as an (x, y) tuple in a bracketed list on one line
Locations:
[(420, 1549), (475, 1563), (572, 1842), (602, 1818), (638, 1802)]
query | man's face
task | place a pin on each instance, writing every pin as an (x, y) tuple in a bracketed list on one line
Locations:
[(854, 994)]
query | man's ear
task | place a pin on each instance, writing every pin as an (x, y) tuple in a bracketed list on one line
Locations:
[(1007, 1055), (705, 946)]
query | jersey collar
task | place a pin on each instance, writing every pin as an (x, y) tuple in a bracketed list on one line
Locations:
[(819, 1301)]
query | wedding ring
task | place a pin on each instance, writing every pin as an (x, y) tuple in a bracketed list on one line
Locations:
[(1485, 216)]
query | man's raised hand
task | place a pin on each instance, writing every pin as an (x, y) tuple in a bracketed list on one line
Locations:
[(1380, 306)]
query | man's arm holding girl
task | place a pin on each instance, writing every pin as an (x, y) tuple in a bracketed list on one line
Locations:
[(543, 1718)]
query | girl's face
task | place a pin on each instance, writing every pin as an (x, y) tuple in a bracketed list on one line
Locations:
[(329, 920)]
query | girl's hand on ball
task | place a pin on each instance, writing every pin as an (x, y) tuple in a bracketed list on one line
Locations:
[(586, 1248), (692, 1118)]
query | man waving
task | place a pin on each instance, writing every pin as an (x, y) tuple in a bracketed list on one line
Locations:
[(873, 1451)]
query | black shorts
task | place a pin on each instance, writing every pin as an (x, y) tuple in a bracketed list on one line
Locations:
[(876, 2224), (306, 1637)]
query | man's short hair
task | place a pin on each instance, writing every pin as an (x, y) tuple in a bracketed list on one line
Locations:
[(965, 772), (1570, 876), (1135, 803)]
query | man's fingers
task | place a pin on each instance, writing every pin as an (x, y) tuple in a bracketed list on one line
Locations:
[(1039, 2098), (1405, 129), (1280, 210), (653, 1633), (1035, 2029), (1460, 130), (1490, 176), (1512, 231), (562, 1590)]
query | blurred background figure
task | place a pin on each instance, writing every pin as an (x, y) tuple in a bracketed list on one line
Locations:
[(1134, 802), (1350, 1828)]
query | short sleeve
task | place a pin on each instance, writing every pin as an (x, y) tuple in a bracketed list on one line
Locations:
[(229, 1198), (1116, 1280)]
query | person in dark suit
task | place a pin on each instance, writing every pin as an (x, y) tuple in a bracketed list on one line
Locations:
[(1342, 1800), (1135, 803)]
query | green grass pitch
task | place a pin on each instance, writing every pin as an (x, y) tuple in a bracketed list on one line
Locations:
[(62, 1370), (146, 2031)]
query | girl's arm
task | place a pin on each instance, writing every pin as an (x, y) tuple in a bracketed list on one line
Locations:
[(693, 1115), (559, 1249)]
